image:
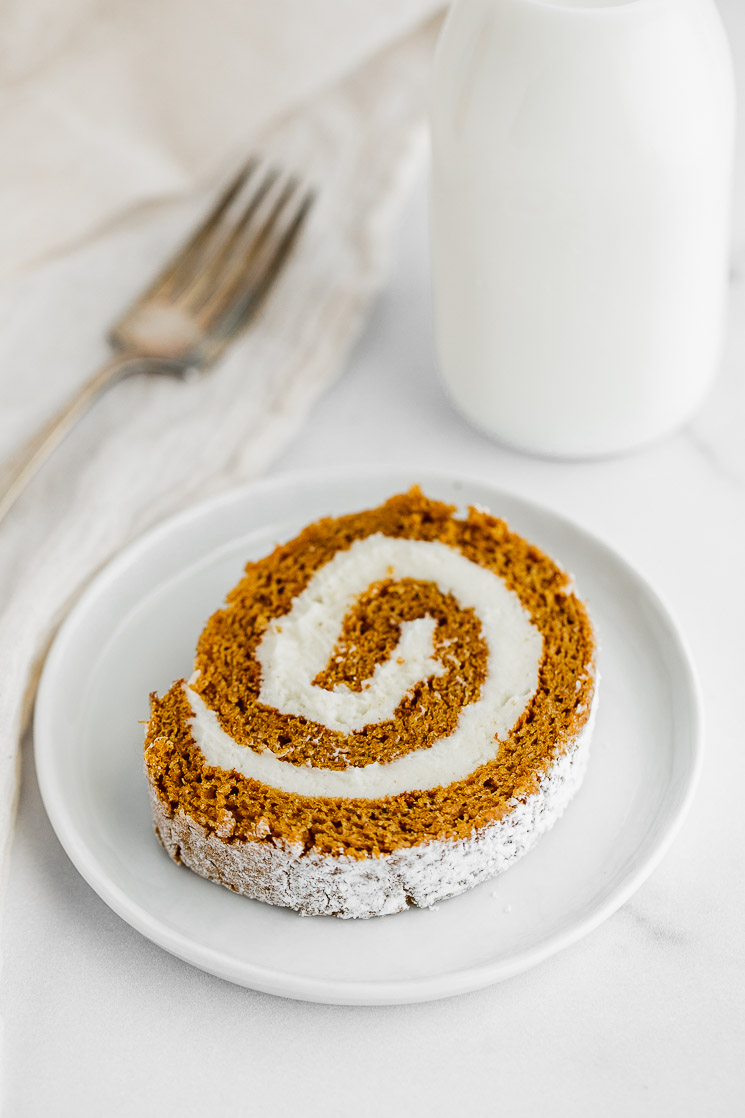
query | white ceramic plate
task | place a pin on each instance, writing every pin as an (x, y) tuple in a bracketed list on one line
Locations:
[(134, 631)]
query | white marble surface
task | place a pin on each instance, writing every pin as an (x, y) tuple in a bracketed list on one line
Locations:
[(643, 1017)]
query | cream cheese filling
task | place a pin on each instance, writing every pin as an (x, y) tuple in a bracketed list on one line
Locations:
[(297, 646)]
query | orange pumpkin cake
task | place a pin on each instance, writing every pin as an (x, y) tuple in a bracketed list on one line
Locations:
[(389, 709)]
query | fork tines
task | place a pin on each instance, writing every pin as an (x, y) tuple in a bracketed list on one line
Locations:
[(220, 276)]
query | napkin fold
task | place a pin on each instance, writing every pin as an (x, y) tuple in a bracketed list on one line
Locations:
[(117, 122)]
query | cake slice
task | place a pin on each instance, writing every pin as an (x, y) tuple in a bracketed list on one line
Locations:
[(389, 709)]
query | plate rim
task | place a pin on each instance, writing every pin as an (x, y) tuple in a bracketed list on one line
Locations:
[(307, 987)]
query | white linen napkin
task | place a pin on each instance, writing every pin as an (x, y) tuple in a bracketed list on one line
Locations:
[(116, 123)]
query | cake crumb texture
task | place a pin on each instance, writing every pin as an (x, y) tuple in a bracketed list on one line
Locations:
[(225, 809)]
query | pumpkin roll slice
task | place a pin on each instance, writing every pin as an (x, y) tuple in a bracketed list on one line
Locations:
[(388, 710)]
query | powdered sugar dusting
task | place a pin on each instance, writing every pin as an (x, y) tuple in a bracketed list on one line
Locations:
[(324, 885)]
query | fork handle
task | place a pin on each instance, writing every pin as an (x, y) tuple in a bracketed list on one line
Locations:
[(27, 461)]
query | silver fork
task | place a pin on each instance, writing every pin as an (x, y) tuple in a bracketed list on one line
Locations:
[(203, 298)]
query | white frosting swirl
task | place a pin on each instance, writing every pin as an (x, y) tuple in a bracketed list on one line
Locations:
[(297, 646)]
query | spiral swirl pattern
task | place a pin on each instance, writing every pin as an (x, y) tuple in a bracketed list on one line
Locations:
[(298, 645), (379, 699)]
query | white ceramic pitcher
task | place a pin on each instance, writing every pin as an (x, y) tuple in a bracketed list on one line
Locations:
[(582, 155)]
